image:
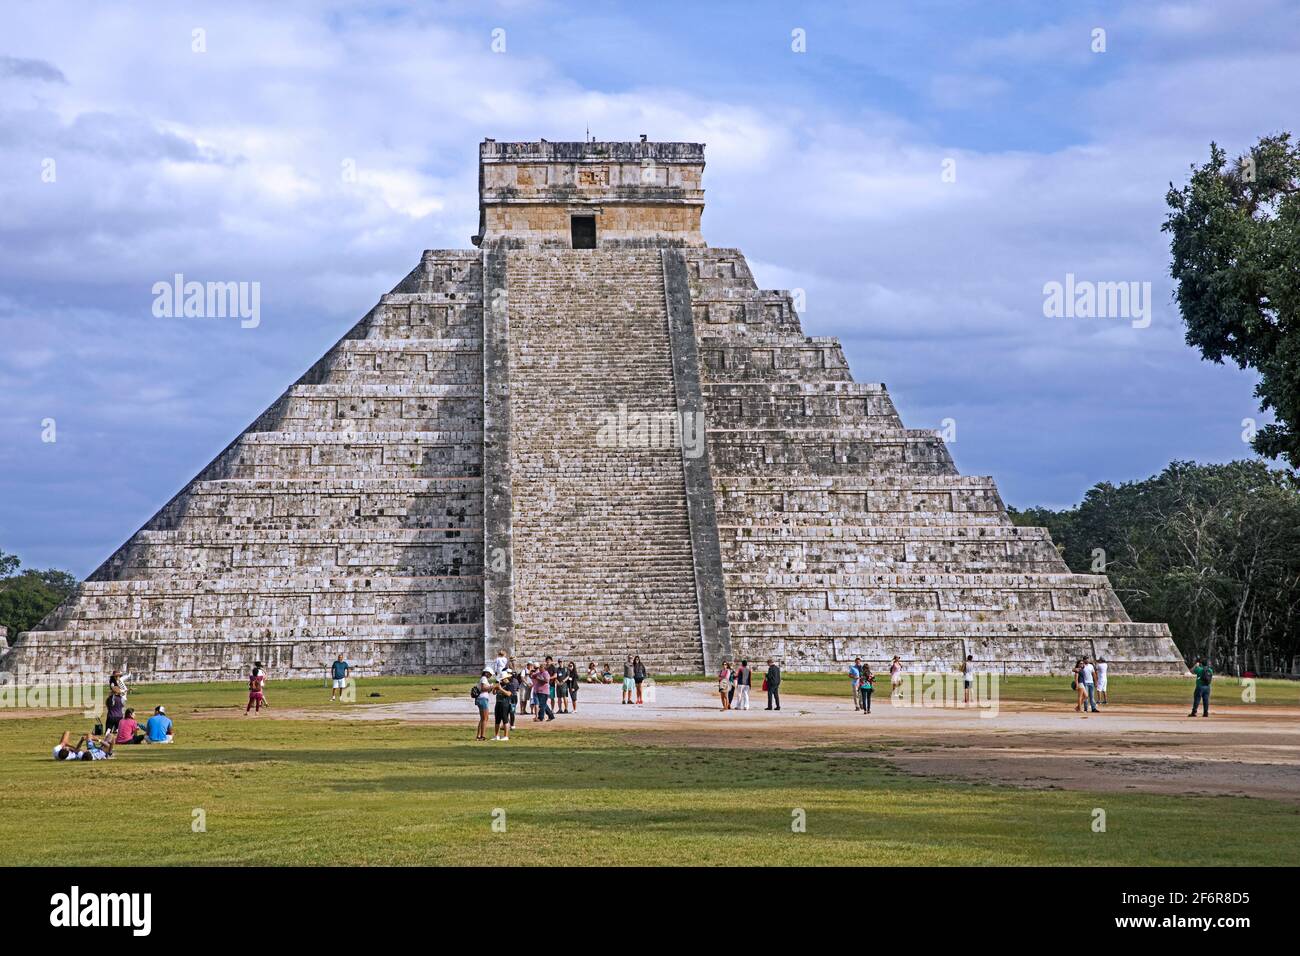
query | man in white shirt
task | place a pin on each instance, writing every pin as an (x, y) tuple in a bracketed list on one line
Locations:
[(1102, 668)]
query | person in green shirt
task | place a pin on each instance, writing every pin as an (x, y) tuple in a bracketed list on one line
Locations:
[(1204, 674)]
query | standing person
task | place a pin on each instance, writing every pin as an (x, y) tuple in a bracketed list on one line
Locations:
[(724, 685), (629, 683), (482, 694), (117, 683), (638, 675), (551, 670), (773, 681), (1081, 692), (560, 687), (526, 688), (866, 684), (967, 677), (1102, 668), (743, 681), (339, 671), (1089, 674), (542, 694), (573, 685), (256, 688), (1201, 695), (855, 674), (501, 691), (114, 712), (500, 663), (895, 678)]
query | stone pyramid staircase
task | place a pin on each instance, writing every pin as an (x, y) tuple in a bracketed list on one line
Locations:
[(602, 551)]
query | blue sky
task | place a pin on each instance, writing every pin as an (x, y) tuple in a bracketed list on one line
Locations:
[(824, 167)]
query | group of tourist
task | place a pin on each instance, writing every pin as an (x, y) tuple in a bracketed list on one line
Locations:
[(1089, 683), (542, 689), (734, 683), (119, 727)]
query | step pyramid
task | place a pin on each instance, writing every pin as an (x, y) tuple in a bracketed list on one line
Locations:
[(503, 454)]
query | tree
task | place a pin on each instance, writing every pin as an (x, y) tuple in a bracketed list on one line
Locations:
[(26, 597), (1213, 550), (1235, 241)]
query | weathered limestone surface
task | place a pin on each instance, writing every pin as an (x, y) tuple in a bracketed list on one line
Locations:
[(845, 534), (348, 517), (445, 481)]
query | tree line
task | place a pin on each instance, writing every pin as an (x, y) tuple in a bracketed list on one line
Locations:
[(1213, 550), (27, 595)]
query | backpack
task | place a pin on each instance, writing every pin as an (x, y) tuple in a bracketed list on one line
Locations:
[(475, 691), (1207, 675)]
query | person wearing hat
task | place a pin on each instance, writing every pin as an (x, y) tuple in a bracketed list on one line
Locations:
[(158, 728)]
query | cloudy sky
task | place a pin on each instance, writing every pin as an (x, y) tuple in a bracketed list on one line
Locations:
[(824, 166)]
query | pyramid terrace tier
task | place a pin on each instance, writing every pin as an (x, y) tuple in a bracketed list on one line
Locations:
[(185, 603), (305, 504), (877, 599), (343, 455), (767, 405), (323, 551), (911, 549), (998, 647), (828, 451), (166, 654)]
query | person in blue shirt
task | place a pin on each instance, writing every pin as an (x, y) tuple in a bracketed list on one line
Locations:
[(855, 673), (339, 671), (158, 729)]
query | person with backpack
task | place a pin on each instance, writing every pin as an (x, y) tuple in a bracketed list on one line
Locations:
[(481, 694), (1204, 673), (638, 676), (866, 684)]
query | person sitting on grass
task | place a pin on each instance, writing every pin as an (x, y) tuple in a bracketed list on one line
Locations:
[(606, 675), (89, 747), (158, 728), (128, 731), (593, 675)]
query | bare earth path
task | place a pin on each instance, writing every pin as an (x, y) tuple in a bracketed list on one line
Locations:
[(1242, 750)]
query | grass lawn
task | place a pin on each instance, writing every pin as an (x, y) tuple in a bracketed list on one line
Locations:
[(317, 792)]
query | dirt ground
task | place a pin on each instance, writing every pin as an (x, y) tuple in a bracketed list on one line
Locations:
[(1242, 750)]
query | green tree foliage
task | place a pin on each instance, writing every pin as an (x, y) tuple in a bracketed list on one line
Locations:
[(27, 596), (1214, 550), (1235, 242)]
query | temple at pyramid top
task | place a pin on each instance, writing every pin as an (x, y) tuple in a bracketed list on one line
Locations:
[(589, 195)]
